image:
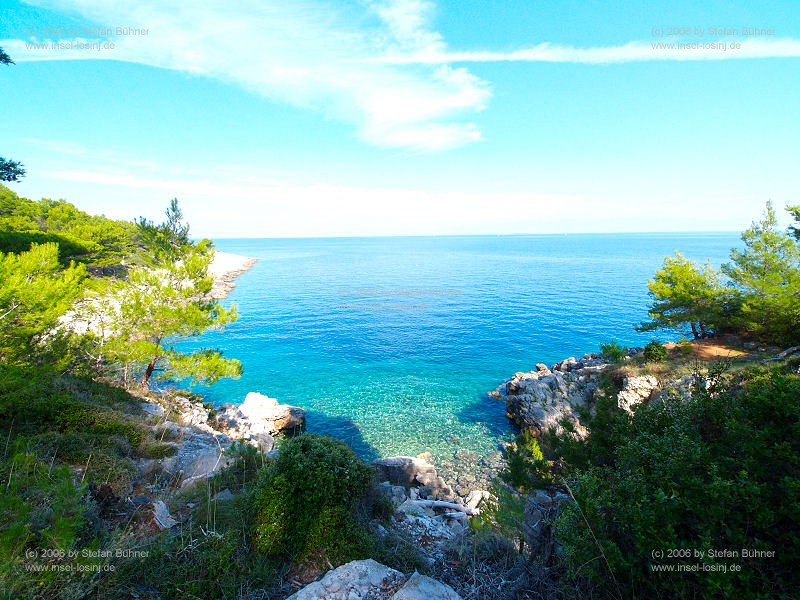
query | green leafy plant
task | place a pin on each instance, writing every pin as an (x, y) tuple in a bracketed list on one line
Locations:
[(305, 502), (526, 468), (655, 352), (613, 351)]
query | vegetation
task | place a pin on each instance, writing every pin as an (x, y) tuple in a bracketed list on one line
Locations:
[(758, 296), (655, 352), (613, 351), (95, 241), (34, 292), (719, 471), (71, 435), (526, 468), (305, 502), (684, 294)]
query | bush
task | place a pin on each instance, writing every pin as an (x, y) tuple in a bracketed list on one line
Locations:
[(613, 352), (719, 471), (305, 502), (526, 468), (655, 352)]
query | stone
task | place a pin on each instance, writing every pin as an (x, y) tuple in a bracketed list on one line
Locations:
[(161, 516), (636, 390), (139, 500), (421, 587), (263, 441), (259, 416), (409, 471), (356, 580), (475, 497), (410, 508), (538, 401), (199, 456), (395, 493)]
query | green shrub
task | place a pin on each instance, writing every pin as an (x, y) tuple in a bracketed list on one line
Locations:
[(305, 502), (719, 471), (655, 352), (526, 468), (613, 351)]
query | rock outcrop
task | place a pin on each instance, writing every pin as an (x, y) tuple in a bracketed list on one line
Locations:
[(200, 447), (258, 419), (370, 580), (636, 390), (542, 400), (546, 398), (408, 472)]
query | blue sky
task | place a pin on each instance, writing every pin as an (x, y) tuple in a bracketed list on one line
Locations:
[(407, 117)]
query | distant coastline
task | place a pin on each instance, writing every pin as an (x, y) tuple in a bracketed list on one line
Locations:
[(225, 268)]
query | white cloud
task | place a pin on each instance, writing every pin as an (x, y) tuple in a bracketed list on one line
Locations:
[(296, 207), (307, 53), (658, 50)]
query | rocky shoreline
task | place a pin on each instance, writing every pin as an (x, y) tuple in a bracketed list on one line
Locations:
[(225, 268), (552, 399)]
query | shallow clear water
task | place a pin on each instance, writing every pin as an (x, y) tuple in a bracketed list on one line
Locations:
[(391, 343)]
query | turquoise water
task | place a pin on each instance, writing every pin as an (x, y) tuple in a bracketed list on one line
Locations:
[(391, 343)]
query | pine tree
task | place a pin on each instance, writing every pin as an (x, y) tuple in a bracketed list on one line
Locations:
[(34, 292)]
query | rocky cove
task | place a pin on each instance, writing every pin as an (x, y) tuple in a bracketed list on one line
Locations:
[(432, 499)]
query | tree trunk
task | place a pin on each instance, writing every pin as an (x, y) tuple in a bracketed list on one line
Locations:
[(150, 368), (152, 365), (703, 332), (694, 331)]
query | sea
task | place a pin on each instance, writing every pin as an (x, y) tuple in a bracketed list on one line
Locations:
[(391, 344)]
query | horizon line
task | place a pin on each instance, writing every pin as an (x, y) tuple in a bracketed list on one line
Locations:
[(463, 235)]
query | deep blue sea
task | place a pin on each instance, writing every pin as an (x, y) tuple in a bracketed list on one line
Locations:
[(392, 343)]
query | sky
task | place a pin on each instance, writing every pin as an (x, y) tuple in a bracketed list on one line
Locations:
[(316, 118)]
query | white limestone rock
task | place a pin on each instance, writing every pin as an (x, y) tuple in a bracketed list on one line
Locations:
[(420, 587), (356, 580), (636, 390), (259, 416)]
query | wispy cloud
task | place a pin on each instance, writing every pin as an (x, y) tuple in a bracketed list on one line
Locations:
[(307, 53), (659, 50)]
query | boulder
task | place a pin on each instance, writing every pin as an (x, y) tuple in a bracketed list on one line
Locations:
[(411, 472), (200, 454), (636, 390), (258, 418), (420, 587), (356, 580), (161, 516), (395, 493), (539, 400)]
